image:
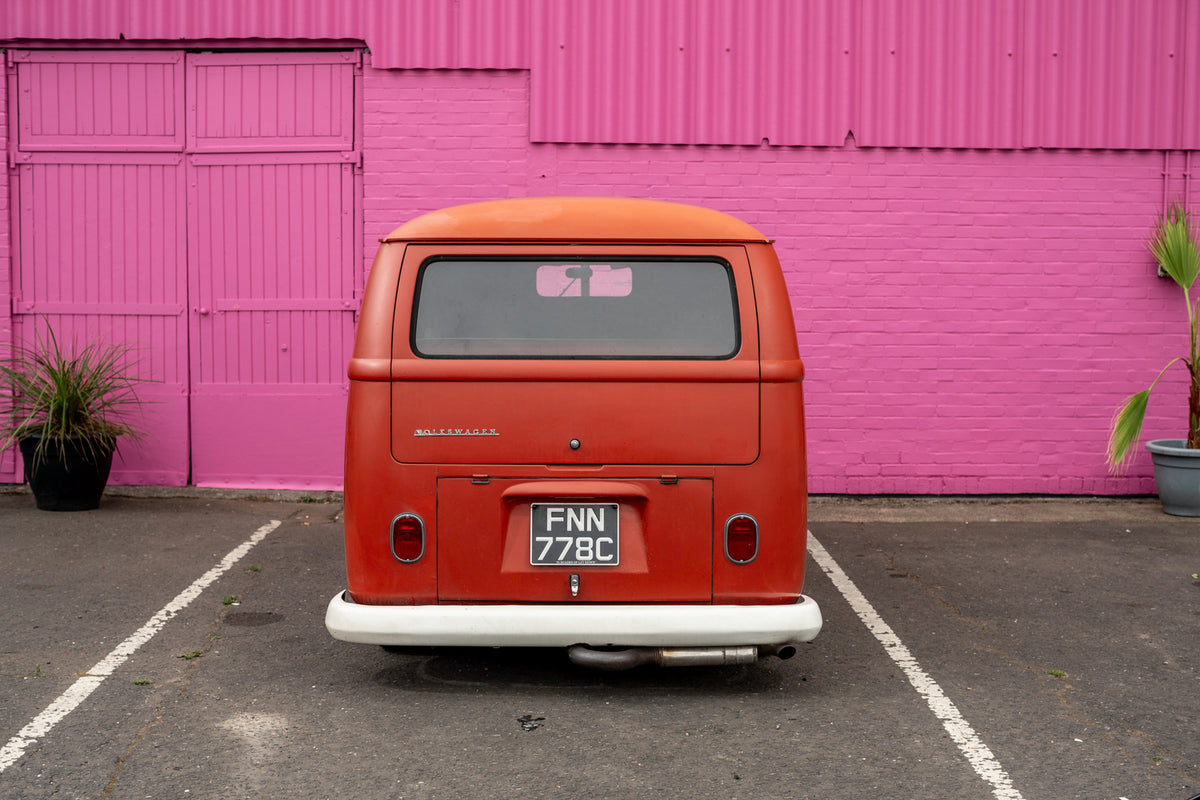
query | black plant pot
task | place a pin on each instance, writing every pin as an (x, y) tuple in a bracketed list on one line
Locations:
[(71, 477)]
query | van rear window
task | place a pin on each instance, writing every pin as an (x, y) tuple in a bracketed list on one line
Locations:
[(557, 308)]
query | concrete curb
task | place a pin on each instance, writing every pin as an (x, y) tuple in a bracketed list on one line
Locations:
[(205, 493), (993, 508)]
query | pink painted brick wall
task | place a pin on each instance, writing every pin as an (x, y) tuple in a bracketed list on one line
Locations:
[(434, 138), (969, 318)]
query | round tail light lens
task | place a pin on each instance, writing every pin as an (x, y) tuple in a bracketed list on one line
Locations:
[(408, 538), (741, 538)]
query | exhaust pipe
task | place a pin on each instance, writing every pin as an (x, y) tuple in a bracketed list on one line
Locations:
[(783, 651), (630, 657), (610, 660)]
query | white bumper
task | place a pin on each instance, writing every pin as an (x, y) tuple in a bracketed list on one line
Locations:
[(566, 625)]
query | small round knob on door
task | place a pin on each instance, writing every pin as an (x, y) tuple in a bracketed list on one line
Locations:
[(575, 444)]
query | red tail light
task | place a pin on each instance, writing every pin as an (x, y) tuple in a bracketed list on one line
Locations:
[(741, 538), (408, 538)]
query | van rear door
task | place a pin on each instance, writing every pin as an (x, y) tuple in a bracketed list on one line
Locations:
[(529, 356), (514, 363)]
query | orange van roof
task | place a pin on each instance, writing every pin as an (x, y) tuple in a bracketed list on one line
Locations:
[(577, 219)]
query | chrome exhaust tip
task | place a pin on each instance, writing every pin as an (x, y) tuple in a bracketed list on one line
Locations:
[(782, 651)]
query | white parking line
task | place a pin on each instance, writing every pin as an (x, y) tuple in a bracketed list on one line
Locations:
[(79, 691), (976, 752)]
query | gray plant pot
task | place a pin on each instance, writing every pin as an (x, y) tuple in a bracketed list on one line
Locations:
[(1176, 476)]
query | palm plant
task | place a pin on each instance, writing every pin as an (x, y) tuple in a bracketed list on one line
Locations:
[(1174, 246), (55, 397)]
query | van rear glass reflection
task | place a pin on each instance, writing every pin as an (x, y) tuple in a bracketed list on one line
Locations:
[(562, 308)]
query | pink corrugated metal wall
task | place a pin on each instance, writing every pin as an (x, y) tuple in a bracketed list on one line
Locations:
[(934, 74), (677, 71), (897, 73), (410, 34), (1111, 74)]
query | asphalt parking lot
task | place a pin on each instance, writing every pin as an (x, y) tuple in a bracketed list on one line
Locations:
[(168, 647)]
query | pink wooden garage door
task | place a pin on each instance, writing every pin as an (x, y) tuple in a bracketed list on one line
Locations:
[(202, 207), (271, 174), (101, 225)]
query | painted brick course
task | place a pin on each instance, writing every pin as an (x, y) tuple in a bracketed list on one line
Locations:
[(969, 318)]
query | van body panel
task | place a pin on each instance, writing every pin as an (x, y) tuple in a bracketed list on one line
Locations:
[(611, 422), (576, 219), (377, 490)]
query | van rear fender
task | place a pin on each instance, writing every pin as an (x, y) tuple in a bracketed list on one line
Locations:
[(377, 490), (773, 490)]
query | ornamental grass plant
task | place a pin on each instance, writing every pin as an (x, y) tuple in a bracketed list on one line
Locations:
[(1174, 245), (85, 395)]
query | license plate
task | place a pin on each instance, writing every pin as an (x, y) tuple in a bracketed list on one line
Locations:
[(574, 535)]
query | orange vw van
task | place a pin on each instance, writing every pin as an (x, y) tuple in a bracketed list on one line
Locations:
[(577, 422)]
